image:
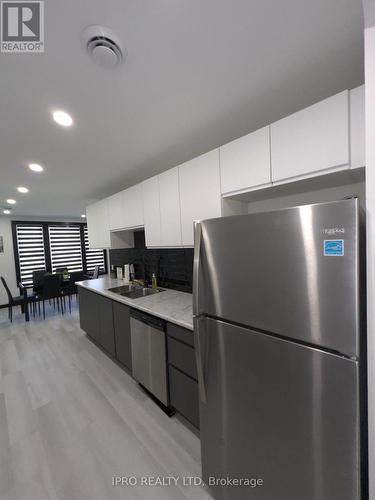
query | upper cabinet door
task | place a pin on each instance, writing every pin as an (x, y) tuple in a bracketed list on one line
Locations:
[(246, 162), (200, 195), (357, 127), (151, 211), (312, 140), (133, 206), (91, 217), (170, 208), (98, 224), (116, 211)]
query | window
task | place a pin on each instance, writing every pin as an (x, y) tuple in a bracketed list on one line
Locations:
[(48, 245), (30, 251), (93, 257), (65, 247)]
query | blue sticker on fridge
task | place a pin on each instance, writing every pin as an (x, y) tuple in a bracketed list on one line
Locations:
[(334, 248)]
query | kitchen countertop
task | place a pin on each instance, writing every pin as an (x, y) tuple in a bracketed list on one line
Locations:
[(170, 305)]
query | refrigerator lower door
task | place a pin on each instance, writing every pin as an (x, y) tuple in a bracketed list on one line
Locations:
[(279, 412)]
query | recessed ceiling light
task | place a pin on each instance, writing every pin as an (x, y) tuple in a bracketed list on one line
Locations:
[(62, 118), (22, 189), (35, 167), (83, 216), (6, 211), (10, 201)]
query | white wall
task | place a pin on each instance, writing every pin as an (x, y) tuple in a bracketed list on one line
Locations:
[(370, 207), (7, 267)]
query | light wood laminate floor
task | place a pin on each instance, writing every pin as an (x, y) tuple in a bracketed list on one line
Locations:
[(71, 419)]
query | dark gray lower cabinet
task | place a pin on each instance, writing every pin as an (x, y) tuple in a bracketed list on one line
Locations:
[(183, 385), (107, 332), (121, 319), (107, 322), (96, 319), (89, 313)]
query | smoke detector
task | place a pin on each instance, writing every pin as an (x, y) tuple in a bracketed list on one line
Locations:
[(103, 46)]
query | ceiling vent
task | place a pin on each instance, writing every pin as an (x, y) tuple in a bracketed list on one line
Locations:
[(103, 46)]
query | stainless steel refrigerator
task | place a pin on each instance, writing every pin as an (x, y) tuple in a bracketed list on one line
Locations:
[(280, 347)]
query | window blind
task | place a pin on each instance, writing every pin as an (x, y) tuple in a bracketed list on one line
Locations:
[(30, 247), (65, 247), (93, 257), (48, 245)]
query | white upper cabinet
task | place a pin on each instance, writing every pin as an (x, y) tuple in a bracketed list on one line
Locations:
[(97, 216), (200, 196), (170, 216), (161, 208), (322, 138), (246, 162), (116, 211), (311, 141), (151, 211), (357, 127), (126, 208), (133, 206)]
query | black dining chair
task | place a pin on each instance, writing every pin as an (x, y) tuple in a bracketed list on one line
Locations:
[(52, 290), (71, 288), (15, 301), (38, 280), (74, 277)]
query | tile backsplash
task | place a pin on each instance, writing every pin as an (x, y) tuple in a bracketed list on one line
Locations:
[(172, 267)]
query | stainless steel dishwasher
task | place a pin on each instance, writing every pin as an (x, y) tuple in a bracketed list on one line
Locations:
[(149, 361)]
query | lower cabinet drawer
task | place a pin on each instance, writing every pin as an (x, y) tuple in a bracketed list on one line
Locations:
[(182, 356), (184, 395), (180, 333)]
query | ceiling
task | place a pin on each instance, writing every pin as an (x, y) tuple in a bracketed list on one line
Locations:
[(197, 74)]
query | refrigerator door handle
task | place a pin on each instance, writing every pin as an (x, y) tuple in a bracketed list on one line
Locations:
[(196, 311), (199, 359), (196, 267)]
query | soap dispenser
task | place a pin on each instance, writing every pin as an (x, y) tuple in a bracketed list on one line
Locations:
[(154, 282)]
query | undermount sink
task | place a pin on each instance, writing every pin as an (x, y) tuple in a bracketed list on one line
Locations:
[(141, 292), (120, 290), (134, 292)]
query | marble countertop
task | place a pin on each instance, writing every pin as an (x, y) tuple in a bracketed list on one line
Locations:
[(170, 305)]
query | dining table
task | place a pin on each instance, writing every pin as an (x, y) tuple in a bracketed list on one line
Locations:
[(25, 287)]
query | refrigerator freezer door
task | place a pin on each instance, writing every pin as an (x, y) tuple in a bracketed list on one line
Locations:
[(280, 412), (293, 272)]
